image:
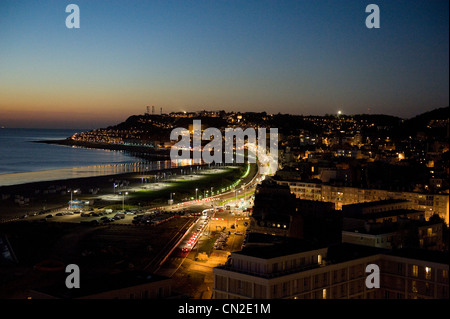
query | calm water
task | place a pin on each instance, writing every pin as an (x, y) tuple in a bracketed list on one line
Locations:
[(18, 153)]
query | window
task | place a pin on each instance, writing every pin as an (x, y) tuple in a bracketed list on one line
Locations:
[(400, 268), (427, 273), (415, 271), (324, 294), (319, 259), (285, 288), (275, 267), (414, 286)]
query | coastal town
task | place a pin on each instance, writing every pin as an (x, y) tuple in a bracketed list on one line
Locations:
[(349, 191)]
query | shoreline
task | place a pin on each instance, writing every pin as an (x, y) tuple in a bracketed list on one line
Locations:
[(51, 194), (61, 174), (149, 154), (26, 192)]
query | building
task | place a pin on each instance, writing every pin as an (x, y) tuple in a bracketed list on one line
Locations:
[(294, 271), (359, 209), (276, 211), (429, 203), (125, 285)]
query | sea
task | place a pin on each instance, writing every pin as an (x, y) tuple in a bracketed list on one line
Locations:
[(24, 161)]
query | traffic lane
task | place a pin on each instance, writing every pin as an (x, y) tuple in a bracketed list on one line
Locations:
[(192, 237)]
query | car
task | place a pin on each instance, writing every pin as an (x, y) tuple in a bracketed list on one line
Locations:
[(104, 218), (49, 216), (59, 214)]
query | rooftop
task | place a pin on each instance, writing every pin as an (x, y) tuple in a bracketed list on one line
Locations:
[(376, 203), (388, 213), (422, 254), (102, 284), (268, 246)]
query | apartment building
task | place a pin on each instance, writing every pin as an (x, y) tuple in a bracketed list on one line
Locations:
[(335, 272), (430, 204)]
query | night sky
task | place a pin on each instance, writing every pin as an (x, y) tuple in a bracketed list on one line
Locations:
[(298, 57)]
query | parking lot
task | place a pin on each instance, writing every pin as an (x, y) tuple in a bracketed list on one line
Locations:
[(105, 216)]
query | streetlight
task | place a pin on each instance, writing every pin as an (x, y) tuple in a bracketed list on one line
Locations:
[(196, 190), (71, 198)]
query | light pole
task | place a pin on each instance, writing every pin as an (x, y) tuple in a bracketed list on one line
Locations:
[(196, 190), (123, 200), (71, 198)]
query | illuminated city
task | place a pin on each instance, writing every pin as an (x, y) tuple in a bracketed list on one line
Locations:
[(224, 157)]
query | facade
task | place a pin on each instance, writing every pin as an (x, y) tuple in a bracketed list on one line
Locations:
[(327, 274), (341, 195)]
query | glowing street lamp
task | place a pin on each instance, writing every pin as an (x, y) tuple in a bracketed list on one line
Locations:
[(123, 200), (71, 198), (196, 190)]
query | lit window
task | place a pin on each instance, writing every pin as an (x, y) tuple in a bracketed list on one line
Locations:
[(427, 273), (324, 294), (415, 270)]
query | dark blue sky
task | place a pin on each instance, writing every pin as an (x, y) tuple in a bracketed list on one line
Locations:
[(299, 57)]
